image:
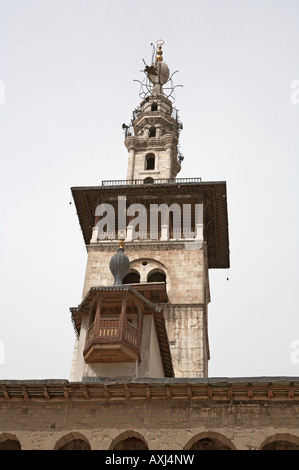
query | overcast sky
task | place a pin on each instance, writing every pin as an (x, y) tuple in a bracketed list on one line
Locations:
[(68, 69)]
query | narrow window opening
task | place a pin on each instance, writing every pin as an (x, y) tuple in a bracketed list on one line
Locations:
[(150, 162), (152, 132)]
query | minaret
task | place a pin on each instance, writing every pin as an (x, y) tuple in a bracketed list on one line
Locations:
[(174, 230), (153, 140)]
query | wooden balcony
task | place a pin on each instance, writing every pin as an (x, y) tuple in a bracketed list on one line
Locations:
[(112, 340)]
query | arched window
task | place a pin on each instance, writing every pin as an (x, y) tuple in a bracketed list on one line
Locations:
[(9, 442), (131, 443), (75, 444), (150, 161), (132, 278), (209, 441), (129, 440), (152, 132), (157, 276), (72, 441), (154, 107), (281, 442), (209, 444)]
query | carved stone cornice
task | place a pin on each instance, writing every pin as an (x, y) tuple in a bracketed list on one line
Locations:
[(169, 306), (157, 143), (147, 117), (111, 246)]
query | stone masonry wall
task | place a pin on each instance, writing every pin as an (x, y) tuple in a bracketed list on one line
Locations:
[(163, 424), (185, 313)]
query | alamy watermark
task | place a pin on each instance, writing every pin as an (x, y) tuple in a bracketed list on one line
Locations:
[(295, 353), (154, 222), (2, 353), (2, 92), (295, 93)]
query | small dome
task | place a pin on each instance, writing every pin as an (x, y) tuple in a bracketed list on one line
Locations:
[(119, 266), (161, 74)]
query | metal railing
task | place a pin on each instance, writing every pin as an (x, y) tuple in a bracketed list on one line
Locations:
[(147, 182)]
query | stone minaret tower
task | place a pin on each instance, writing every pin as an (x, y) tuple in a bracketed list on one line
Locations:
[(153, 147), (154, 322)]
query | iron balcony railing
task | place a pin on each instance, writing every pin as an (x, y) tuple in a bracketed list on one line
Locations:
[(150, 181)]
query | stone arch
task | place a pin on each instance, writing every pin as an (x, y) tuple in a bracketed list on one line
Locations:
[(148, 180), (156, 275), (133, 277), (72, 441), (9, 442), (209, 441), (281, 442), (145, 266), (129, 440)]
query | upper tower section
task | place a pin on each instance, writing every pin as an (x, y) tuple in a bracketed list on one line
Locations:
[(153, 136)]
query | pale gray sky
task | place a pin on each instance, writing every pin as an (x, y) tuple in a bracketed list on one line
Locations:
[(68, 68)]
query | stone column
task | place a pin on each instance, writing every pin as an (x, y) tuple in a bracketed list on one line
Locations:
[(130, 143), (168, 161), (131, 164)]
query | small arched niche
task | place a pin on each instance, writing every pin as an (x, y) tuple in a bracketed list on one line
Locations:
[(148, 180)]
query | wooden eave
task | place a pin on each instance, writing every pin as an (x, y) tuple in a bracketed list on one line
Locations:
[(226, 390), (213, 194)]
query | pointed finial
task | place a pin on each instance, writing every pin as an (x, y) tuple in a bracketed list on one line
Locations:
[(159, 56)]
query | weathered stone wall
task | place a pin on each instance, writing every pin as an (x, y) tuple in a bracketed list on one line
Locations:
[(186, 283), (163, 164), (185, 270), (162, 424), (187, 334)]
